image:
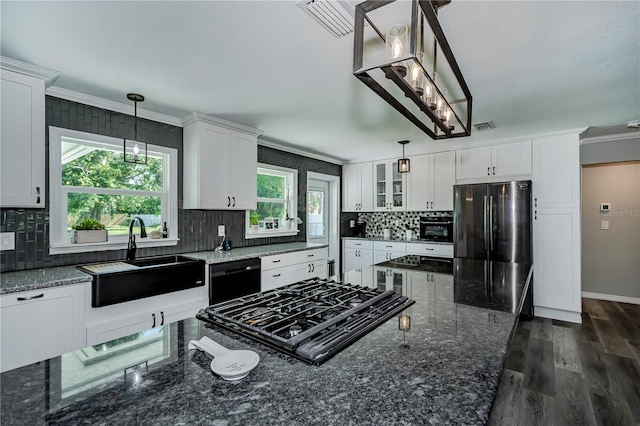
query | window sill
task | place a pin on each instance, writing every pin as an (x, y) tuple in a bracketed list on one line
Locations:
[(89, 247), (289, 233)]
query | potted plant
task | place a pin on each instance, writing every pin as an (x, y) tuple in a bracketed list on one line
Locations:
[(254, 220), (89, 231)]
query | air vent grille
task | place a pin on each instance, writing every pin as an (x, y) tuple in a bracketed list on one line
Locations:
[(484, 126), (330, 14)]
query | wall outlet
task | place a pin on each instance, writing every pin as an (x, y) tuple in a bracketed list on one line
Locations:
[(7, 241), (221, 231), (604, 224)]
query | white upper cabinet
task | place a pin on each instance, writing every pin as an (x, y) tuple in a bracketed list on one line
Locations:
[(389, 186), (490, 162), (430, 182), (357, 187), (22, 140), (220, 168), (556, 172)]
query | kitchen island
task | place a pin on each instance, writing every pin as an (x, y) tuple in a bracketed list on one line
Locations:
[(443, 370)]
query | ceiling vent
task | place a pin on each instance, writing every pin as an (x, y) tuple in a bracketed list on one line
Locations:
[(484, 126), (334, 15)]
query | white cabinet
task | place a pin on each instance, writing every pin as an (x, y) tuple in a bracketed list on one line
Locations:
[(498, 161), (430, 182), (288, 268), (388, 250), (356, 254), (390, 279), (556, 228), (434, 250), (41, 324), (357, 187), (220, 167), (112, 322), (22, 141), (389, 186)]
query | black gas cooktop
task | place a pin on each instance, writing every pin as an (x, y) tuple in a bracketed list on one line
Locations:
[(311, 320)]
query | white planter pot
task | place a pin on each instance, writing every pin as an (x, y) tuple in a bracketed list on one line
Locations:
[(89, 236)]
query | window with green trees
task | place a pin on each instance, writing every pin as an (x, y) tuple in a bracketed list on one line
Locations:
[(89, 179), (277, 191)]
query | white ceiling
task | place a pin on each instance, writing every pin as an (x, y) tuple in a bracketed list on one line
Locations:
[(532, 67)]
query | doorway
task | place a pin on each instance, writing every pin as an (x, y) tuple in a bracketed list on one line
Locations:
[(323, 195)]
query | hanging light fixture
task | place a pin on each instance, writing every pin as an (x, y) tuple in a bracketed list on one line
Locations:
[(418, 74), (135, 151), (403, 163)]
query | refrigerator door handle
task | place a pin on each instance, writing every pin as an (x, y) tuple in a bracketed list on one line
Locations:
[(484, 221), (491, 233)]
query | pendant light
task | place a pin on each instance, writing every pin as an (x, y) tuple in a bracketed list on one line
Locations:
[(135, 151), (403, 163)]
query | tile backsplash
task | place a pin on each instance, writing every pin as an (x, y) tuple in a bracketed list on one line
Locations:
[(397, 222)]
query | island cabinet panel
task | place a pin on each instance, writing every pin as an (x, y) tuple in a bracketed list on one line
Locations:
[(556, 228), (430, 182), (114, 321), (494, 163), (288, 268), (41, 324), (357, 187), (22, 144), (220, 167)]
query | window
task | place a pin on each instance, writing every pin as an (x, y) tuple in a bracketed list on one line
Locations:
[(277, 201), (90, 180)]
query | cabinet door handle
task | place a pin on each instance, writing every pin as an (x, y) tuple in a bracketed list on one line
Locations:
[(357, 244), (154, 320), (535, 215), (432, 204), (162, 317), (494, 170), (310, 255), (488, 171), (389, 246), (427, 248), (313, 267), (276, 275), (228, 201), (37, 195), (37, 296), (234, 201), (276, 261), (309, 268), (536, 202)]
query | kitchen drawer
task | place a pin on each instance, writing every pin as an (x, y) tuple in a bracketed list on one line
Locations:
[(292, 258), (358, 244), (390, 246), (436, 250)]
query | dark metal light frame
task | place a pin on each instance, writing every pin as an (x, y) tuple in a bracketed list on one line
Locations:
[(133, 153), (419, 9), (404, 164)]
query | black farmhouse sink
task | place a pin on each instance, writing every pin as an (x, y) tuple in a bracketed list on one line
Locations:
[(117, 282)]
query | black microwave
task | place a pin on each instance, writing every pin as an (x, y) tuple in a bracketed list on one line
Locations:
[(437, 227)]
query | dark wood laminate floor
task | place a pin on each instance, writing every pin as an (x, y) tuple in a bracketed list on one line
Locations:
[(559, 373)]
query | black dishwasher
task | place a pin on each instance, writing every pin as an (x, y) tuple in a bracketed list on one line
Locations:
[(233, 279)]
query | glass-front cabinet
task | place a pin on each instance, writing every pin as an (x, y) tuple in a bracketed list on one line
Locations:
[(390, 186)]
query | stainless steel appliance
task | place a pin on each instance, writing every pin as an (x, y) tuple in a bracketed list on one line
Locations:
[(311, 320), (229, 280), (493, 221), (437, 227)]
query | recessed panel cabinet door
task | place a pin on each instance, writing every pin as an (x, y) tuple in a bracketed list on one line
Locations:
[(242, 163), (556, 172), (22, 130), (443, 176), (418, 189)]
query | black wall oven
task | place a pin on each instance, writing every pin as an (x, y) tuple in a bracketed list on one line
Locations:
[(437, 227)]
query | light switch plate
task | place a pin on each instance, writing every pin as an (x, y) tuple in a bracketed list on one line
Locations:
[(604, 224), (221, 231), (7, 241)]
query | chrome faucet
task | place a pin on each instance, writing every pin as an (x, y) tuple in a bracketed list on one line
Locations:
[(131, 247)]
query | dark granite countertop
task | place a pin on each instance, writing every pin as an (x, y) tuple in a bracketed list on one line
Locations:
[(35, 279), (253, 252), (447, 375), (397, 240)]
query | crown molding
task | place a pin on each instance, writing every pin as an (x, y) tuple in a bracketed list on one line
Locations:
[(611, 138), (48, 75), (124, 108), (297, 151), (194, 117)]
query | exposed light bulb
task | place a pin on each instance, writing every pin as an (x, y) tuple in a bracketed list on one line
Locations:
[(136, 150)]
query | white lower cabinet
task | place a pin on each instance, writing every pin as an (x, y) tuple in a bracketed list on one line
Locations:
[(390, 279), (356, 254), (288, 268), (435, 250), (115, 321), (388, 250), (41, 324)]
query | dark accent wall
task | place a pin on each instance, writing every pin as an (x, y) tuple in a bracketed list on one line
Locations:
[(197, 228)]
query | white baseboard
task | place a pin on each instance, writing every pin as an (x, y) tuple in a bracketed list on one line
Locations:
[(557, 314), (611, 297)]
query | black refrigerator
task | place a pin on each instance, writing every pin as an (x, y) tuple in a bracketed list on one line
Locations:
[(492, 221)]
